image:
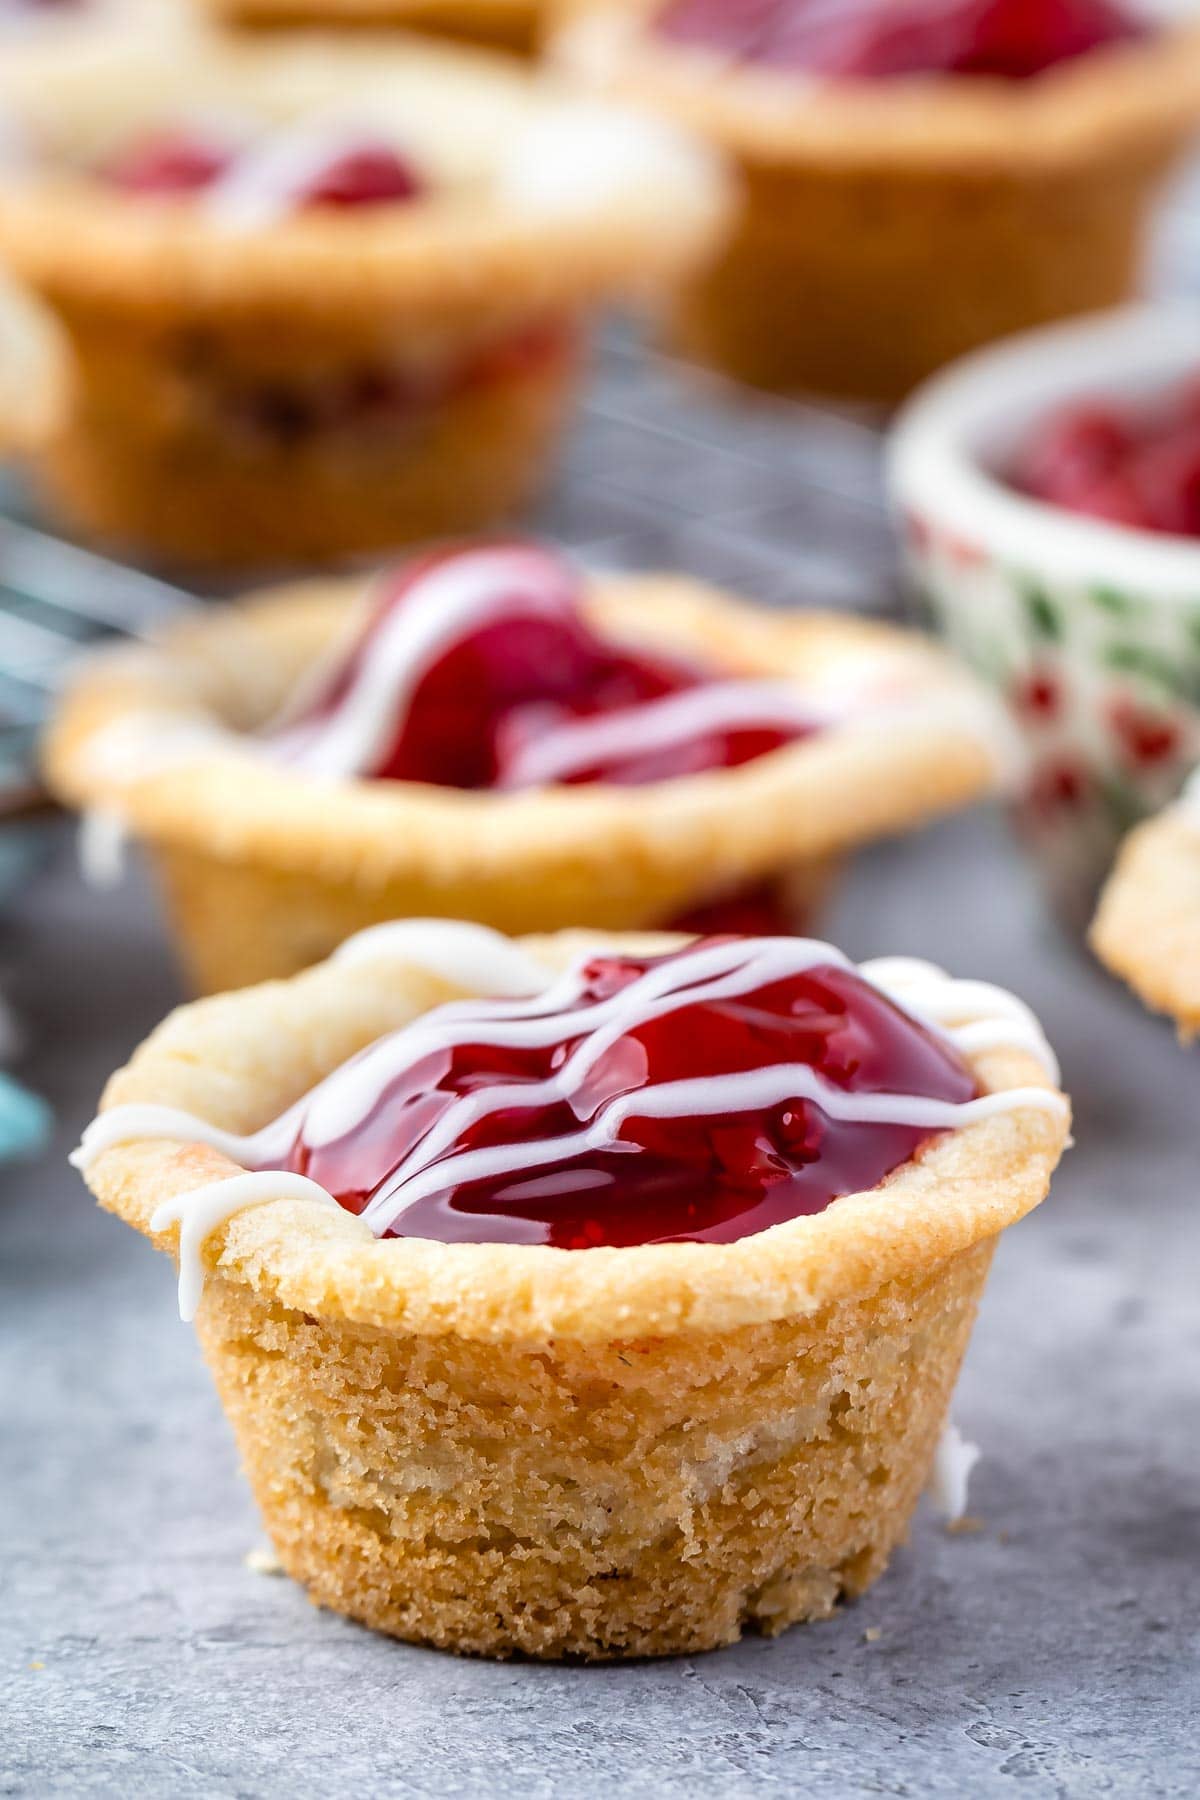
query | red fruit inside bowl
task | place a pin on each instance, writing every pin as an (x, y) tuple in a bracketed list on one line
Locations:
[(1139, 470), (874, 39)]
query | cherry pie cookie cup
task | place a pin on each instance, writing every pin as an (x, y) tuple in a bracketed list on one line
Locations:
[(650, 1395), (1147, 928), (325, 296), (896, 213), (490, 737)]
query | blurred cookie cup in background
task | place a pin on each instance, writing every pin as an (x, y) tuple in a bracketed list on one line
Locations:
[(917, 178), (1048, 490), (1147, 926), (483, 733), (324, 296)]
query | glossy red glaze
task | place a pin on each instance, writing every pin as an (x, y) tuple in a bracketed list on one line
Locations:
[(498, 689), (708, 1179), (876, 39), (1141, 471)]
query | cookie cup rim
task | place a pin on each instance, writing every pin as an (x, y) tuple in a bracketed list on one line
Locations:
[(1144, 95), (961, 1189), (837, 788)]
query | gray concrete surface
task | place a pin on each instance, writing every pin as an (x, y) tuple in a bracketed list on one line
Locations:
[(1052, 1653)]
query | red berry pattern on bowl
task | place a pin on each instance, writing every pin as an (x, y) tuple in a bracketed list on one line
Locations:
[(1049, 491)]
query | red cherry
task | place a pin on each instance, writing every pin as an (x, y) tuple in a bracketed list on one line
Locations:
[(169, 163), (366, 175), (1141, 472), (1166, 472), (709, 1178), (1071, 450)]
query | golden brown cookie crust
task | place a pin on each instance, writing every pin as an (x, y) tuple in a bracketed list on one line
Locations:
[(503, 24), (205, 496), (1147, 928), (240, 1059), (1130, 97), (873, 774), (640, 1498)]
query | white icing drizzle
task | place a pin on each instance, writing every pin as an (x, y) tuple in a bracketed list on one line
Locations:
[(199, 1213), (949, 1483), (550, 1011), (263, 184), (470, 956), (983, 1017), (658, 724), (101, 844), (455, 599)]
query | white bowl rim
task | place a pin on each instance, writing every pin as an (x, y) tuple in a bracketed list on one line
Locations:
[(934, 468)]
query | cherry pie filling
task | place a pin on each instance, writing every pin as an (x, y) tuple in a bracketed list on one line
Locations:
[(701, 1096), (877, 39), (478, 668), (1135, 469)]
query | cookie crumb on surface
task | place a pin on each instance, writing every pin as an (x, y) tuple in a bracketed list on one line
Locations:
[(262, 1560)]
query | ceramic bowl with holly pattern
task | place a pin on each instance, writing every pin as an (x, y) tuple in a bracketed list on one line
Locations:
[(1088, 629)]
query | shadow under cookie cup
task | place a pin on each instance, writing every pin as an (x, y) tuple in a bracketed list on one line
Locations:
[(265, 872), (499, 1448)]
